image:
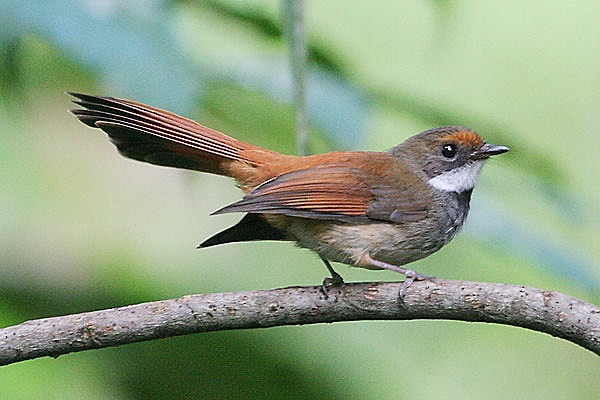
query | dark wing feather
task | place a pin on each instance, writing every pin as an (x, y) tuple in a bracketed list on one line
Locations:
[(251, 227), (331, 192)]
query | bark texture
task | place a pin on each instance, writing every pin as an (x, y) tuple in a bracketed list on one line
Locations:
[(540, 310)]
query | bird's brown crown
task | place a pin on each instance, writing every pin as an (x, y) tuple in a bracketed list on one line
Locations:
[(464, 137)]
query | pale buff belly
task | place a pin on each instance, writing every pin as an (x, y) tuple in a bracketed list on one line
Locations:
[(348, 243)]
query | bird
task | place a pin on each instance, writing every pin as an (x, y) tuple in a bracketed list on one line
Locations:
[(368, 209)]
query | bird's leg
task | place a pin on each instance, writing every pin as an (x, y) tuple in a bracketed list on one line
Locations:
[(335, 280), (410, 274)]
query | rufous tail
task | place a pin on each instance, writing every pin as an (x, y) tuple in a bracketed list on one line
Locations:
[(160, 137)]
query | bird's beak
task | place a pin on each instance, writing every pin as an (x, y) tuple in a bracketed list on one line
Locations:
[(488, 150)]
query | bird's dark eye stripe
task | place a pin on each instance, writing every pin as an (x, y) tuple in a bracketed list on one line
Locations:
[(449, 150)]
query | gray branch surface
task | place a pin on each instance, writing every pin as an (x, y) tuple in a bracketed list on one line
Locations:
[(540, 310)]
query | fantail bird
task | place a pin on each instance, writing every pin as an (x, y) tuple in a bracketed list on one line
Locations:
[(375, 210)]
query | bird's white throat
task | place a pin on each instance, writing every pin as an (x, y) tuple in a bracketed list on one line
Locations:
[(459, 179)]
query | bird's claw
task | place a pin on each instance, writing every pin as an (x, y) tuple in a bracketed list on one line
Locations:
[(330, 282), (411, 276)]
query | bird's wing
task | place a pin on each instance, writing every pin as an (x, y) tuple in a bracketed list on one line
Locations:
[(332, 192)]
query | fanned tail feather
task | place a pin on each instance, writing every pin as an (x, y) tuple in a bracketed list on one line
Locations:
[(160, 137)]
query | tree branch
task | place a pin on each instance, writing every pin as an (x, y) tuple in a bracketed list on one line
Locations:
[(536, 309)]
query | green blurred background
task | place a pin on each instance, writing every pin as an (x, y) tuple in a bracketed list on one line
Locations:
[(82, 228)]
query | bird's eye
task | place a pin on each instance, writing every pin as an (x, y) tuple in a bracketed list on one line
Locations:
[(449, 150)]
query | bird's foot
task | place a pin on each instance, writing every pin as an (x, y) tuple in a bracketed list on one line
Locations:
[(411, 276), (333, 281), (330, 282)]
